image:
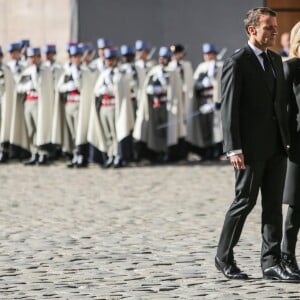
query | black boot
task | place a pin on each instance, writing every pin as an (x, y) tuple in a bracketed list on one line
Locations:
[(43, 160), (290, 263), (73, 162), (109, 162), (3, 157), (82, 162), (32, 160), (118, 162)]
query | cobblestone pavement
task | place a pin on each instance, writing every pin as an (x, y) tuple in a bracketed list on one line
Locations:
[(147, 232)]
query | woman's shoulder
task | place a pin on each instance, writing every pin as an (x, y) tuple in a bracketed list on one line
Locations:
[(293, 61), (292, 65)]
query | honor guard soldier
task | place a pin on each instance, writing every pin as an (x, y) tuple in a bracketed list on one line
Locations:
[(14, 63), (68, 47), (112, 116), (3, 145), (71, 110), (89, 63), (11, 72), (144, 54), (33, 108), (204, 129), (2, 85), (135, 73), (49, 51), (24, 44), (50, 61), (1, 78), (88, 55), (99, 63), (159, 121), (186, 73)]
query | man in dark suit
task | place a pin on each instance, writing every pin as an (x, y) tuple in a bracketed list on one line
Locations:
[(255, 131)]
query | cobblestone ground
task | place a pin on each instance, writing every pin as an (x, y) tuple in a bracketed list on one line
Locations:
[(147, 232)]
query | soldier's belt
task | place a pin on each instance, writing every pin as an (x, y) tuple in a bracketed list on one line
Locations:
[(158, 102), (73, 97), (107, 103), (108, 100), (32, 96), (107, 97)]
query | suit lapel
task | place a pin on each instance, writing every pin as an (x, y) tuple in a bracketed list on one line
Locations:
[(260, 70), (255, 62)]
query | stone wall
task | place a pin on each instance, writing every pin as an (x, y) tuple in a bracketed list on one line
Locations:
[(41, 21)]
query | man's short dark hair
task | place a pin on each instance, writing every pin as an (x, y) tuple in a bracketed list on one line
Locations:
[(252, 16)]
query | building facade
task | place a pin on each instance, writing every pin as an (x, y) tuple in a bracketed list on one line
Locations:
[(160, 22)]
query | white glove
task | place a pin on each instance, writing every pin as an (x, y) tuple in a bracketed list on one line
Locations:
[(157, 89), (71, 86), (28, 86), (154, 89), (207, 108), (68, 87), (206, 82), (23, 88), (150, 90)]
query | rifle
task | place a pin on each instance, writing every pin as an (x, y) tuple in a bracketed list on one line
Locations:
[(168, 124), (151, 53), (221, 53)]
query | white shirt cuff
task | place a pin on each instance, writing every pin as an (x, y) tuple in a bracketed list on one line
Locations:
[(234, 152)]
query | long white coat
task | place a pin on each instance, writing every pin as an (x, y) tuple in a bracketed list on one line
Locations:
[(195, 132), (124, 114), (60, 134), (175, 128), (44, 85)]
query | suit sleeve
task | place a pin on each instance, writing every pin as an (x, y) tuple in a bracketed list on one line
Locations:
[(231, 83)]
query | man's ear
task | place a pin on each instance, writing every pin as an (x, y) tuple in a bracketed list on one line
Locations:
[(252, 30)]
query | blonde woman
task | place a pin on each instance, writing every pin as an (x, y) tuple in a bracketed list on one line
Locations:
[(291, 194)]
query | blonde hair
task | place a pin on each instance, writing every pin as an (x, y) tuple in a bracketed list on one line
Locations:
[(295, 40)]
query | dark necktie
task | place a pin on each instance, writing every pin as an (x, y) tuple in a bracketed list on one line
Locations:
[(269, 75)]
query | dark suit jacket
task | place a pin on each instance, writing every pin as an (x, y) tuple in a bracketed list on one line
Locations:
[(292, 75), (254, 118)]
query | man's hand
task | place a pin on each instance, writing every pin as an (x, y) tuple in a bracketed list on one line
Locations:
[(237, 161)]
